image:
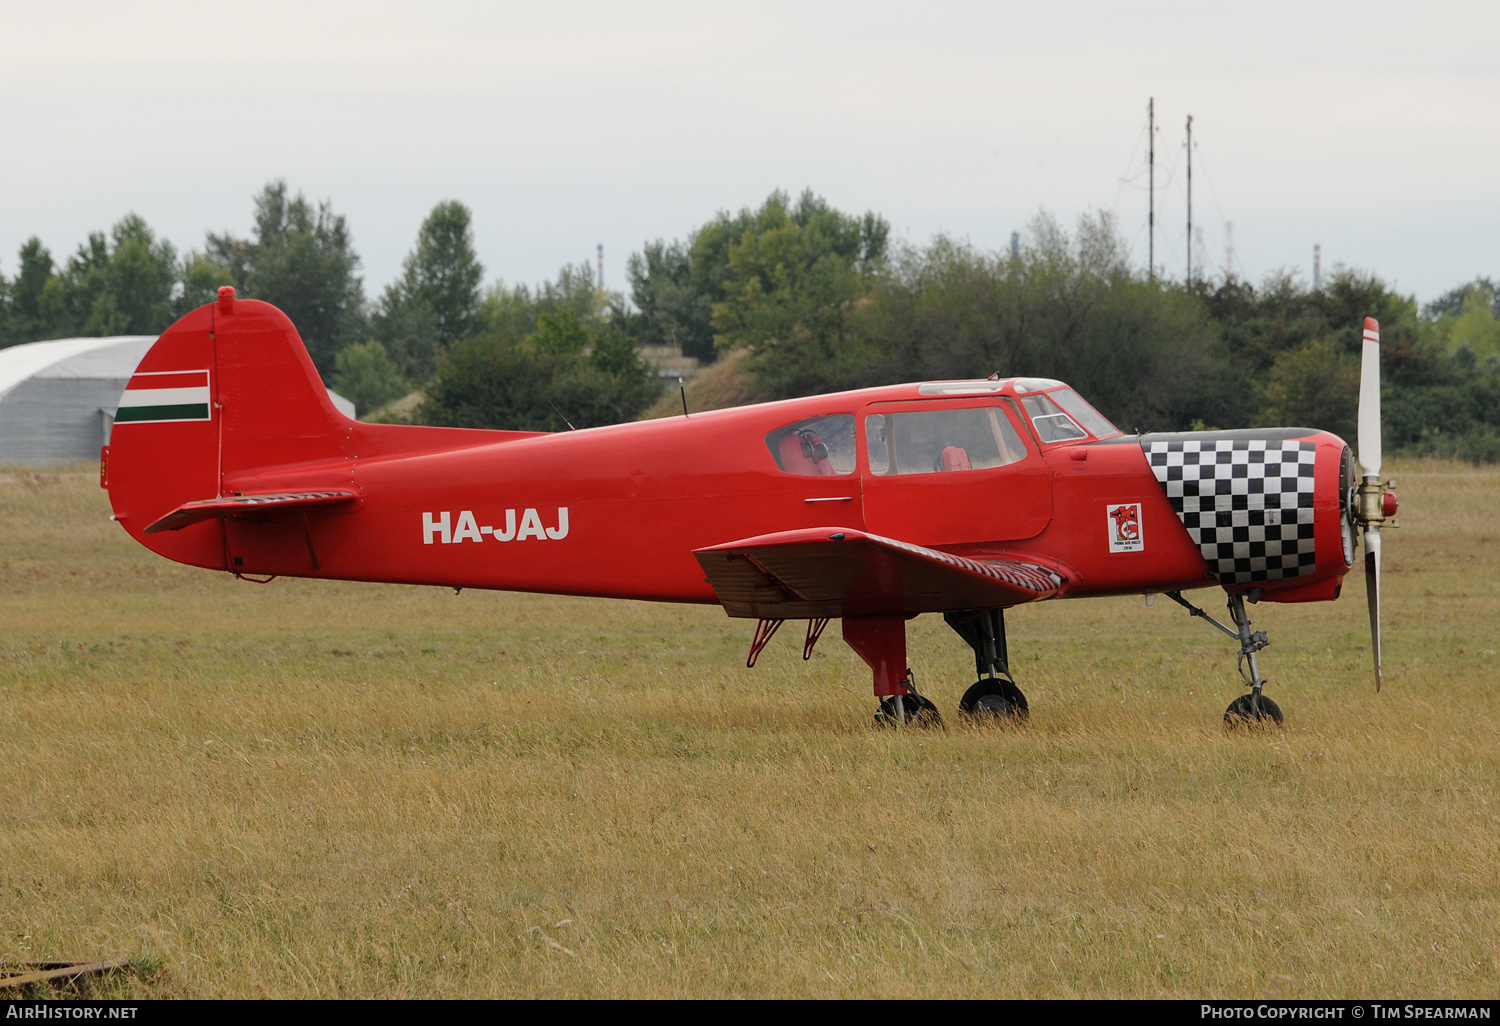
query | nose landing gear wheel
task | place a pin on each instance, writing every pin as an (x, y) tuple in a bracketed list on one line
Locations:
[(994, 698), (1251, 711)]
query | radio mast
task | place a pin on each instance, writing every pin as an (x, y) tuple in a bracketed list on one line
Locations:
[(1190, 201), (1151, 188)]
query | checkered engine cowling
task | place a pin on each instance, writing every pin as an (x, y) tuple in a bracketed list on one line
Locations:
[(1246, 502)]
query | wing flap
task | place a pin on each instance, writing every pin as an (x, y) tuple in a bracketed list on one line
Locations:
[(837, 572), (207, 509)]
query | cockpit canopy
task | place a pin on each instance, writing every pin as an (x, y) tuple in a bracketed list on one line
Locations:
[(1058, 413), (942, 437)]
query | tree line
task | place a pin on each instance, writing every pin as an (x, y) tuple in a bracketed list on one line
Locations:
[(501, 355), (821, 299)]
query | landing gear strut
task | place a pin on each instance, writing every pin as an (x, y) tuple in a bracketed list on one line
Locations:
[(881, 642), (994, 694), (1254, 707), (908, 710)]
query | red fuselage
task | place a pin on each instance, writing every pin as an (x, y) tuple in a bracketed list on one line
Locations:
[(619, 511)]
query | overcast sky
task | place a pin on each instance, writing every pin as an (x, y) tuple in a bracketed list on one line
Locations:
[(1372, 128)]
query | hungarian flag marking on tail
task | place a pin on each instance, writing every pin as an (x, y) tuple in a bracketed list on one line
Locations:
[(164, 396)]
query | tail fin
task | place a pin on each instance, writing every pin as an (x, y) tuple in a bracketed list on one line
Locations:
[(226, 392), (226, 416)]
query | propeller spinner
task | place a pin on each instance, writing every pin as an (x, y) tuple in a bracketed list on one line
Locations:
[(1375, 502)]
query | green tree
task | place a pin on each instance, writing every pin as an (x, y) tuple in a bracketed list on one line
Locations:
[(444, 273), (508, 312), (558, 374), (675, 296), (575, 291), (793, 278), (1314, 386), (300, 257), (436, 301), (591, 396), (513, 311), (693, 292), (1469, 330), (82, 289), (33, 316), (115, 284), (1444, 399), (1260, 325), (1455, 299), (1424, 393), (367, 376), (559, 334), (139, 277), (201, 279), (1455, 416), (489, 382), (617, 354), (1062, 306)]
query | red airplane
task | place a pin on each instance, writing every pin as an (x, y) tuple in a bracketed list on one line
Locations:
[(956, 497)]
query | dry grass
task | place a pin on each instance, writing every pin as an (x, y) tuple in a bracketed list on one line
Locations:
[(402, 410), (717, 387), (322, 789)]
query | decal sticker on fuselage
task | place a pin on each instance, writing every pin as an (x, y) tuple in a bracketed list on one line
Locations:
[(1124, 526), (443, 527)]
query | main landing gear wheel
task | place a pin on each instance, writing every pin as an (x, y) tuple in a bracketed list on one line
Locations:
[(1251, 710), (994, 698)]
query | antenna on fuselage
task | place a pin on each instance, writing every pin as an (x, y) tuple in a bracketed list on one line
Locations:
[(555, 410), (681, 388)]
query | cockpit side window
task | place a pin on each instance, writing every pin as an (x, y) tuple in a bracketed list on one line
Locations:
[(815, 447), (1052, 424), (934, 441)]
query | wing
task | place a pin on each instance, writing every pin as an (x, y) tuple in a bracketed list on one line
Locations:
[(832, 572), (207, 509)]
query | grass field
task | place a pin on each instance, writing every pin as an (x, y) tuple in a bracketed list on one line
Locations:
[(319, 789)]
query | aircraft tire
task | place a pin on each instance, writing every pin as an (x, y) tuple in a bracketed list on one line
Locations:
[(994, 699), (1242, 713), (926, 714)]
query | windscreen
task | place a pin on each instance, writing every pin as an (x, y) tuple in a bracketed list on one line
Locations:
[(1052, 424), (1078, 408)]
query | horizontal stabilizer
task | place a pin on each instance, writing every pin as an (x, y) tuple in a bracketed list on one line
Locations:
[(831, 571), (207, 509)]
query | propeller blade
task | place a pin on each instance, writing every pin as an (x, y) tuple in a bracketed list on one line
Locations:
[(1369, 400), (1372, 592)]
